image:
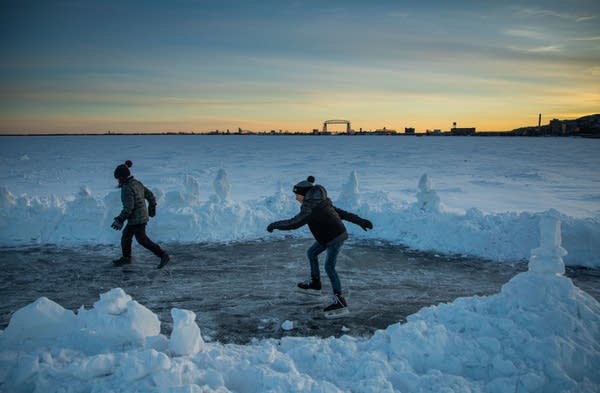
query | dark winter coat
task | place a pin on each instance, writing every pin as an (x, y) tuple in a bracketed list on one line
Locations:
[(324, 220), (134, 196)]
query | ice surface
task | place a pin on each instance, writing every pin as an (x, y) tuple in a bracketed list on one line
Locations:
[(241, 291), (540, 333)]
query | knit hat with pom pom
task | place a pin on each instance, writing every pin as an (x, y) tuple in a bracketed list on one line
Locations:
[(305, 185), (122, 171)]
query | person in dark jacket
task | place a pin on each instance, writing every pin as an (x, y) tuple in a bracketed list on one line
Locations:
[(133, 196), (325, 223)]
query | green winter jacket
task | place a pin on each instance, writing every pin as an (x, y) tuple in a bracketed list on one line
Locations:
[(133, 196)]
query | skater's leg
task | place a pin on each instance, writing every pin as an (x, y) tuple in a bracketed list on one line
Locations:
[(144, 240), (126, 239), (332, 253), (313, 284), (313, 254), (339, 307)]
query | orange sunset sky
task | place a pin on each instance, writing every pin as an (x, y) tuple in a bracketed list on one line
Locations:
[(204, 65)]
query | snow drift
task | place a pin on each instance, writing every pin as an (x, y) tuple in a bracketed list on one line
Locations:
[(539, 334), (183, 216)]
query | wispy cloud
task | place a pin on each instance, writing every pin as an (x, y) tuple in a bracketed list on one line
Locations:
[(546, 49), (593, 38), (585, 18), (544, 12), (554, 14), (538, 49), (525, 33)]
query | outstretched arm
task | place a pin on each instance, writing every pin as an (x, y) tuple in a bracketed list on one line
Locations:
[(293, 223), (353, 218)]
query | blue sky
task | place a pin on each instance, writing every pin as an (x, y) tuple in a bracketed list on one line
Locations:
[(77, 66)]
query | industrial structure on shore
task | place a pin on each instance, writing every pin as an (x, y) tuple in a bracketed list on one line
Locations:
[(386, 131)]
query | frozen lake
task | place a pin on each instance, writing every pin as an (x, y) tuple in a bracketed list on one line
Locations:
[(58, 199), (487, 193), (246, 290)]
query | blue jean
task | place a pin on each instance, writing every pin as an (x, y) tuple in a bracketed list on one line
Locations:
[(332, 252)]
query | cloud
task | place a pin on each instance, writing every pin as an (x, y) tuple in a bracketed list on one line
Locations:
[(585, 18), (538, 49), (525, 33), (593, 38), (540, 12), (546, 49), (543, 12)]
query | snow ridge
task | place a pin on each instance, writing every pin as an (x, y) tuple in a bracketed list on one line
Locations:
[(183, 216)]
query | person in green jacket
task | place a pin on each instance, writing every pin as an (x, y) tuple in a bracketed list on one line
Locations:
[(133, 196)]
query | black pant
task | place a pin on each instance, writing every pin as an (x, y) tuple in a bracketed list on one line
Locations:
[(139, 231)]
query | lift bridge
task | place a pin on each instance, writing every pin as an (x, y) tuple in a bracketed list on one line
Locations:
[(346, 122)]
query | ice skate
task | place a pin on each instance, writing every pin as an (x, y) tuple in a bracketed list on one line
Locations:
[(338, 309), (312, 286)]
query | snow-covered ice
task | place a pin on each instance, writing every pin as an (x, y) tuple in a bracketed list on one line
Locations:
[(473, 196), (505, 199)]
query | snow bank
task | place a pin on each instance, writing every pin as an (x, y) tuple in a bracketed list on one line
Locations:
[(539, 334), (184, 217), (116, 320)]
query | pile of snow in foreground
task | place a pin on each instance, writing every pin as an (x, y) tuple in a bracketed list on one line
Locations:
[(183, 217), (539, 334)]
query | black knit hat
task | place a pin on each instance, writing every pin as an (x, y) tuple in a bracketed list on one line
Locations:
[(122, 171), (305, 185)]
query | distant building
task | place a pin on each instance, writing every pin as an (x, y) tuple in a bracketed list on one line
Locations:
[(462, 131), (563, 127), (436, 131), (384, 131), (588, 126), (409, 130)]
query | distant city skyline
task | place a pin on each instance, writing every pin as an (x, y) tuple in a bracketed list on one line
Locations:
[(200, 66)]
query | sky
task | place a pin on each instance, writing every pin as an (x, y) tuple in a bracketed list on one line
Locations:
[(152, 66)]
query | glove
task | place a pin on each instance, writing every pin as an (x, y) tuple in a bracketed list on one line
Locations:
[(152, 210), (366, 224), (270, 228), (117, 224)]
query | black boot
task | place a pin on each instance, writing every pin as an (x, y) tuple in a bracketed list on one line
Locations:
[(122, 261), (164, 260), (338, 308), (312, 286)]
